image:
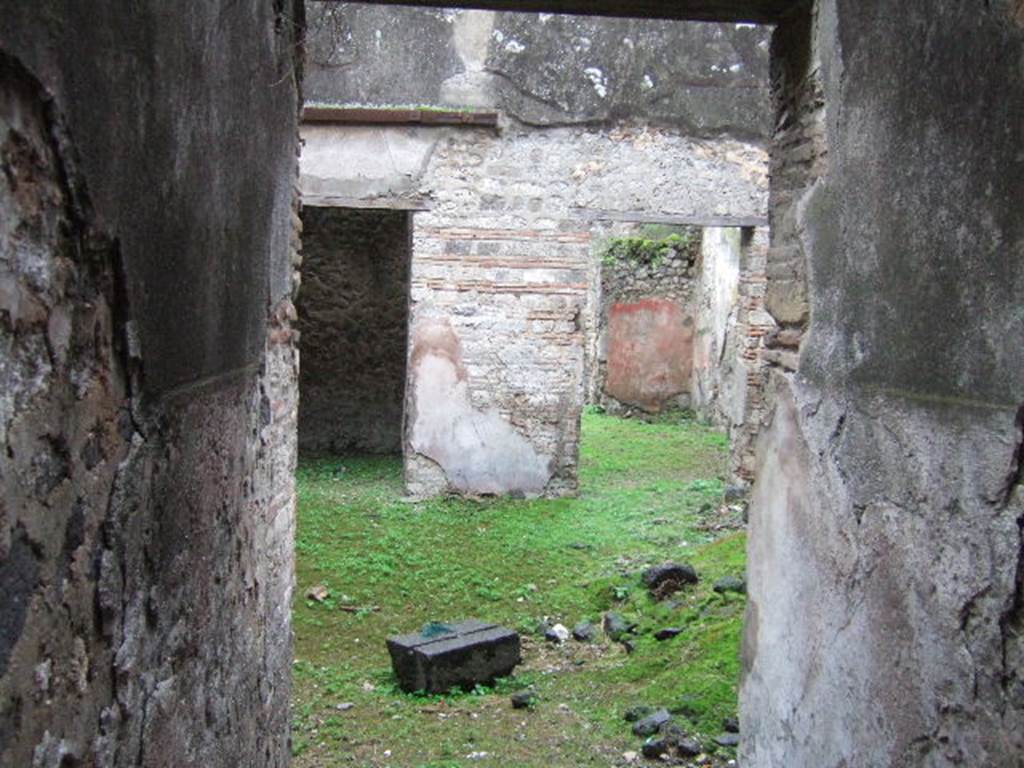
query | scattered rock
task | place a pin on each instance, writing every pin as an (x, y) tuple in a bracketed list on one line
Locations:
[(731, 725), (689, 747), (731, 584), (585, 632), (628, 646), (524, 700), (728, 740), (557, 634), (667, 634), (344, 706), (543, 627), (638, 712), (630, 757), (616, 627), (668, 578), (318, 593), (652, 723), (655, 747)]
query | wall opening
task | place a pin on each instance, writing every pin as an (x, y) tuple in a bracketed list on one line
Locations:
[(353, 320)]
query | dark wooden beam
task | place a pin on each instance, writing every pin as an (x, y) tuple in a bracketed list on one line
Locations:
[(754, 11), (397, 116)]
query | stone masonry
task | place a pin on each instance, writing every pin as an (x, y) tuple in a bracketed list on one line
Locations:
[(354, 317), (503, 279), (147, 384)]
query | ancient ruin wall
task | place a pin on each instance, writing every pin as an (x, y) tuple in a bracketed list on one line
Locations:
[(353, 319), (147, 415), (645, 325), (886, 547), (503, 269)]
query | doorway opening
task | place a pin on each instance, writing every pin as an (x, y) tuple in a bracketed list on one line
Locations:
[(353, 319)]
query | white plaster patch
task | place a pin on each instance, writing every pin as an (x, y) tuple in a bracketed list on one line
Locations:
[(598, 79), (514, 46), (647, 83), (479, 451)]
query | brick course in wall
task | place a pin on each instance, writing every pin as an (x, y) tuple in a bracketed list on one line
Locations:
[(504, 273)]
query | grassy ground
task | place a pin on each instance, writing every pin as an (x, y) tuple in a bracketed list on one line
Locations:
[(649, 493)]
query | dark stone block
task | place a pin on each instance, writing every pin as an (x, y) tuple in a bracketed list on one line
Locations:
[(461, 655), (731, 584), (650, 725)]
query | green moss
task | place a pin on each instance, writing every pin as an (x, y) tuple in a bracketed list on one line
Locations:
[(643, 486), (651, 246)]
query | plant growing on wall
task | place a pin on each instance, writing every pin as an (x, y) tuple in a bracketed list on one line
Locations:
[(650, 247)]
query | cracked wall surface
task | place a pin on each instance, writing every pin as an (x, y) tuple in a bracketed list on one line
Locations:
[(148, 388), (885, 546)]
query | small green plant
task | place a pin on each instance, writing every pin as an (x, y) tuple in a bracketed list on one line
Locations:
[(650, 247)]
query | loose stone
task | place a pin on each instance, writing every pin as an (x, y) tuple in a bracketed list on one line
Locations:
[(557, 634), (650, 725), (668, 578), (728, 740), (667, 634), (524, 700), (730, 584), (585, 632), (616, 627)]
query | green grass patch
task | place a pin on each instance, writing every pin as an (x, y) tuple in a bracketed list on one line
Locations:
[(393, 566)]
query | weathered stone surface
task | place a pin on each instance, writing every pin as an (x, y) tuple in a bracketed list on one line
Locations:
[(353, 320), (146, 413), (652, 723), (656, 577), (707, 79), (885, 544), (472, 652), (502, 251)]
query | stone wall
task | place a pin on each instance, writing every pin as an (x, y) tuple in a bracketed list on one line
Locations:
[(503, 270), (703, 80), (147, 414), (353, 317), (718, 367), (504, 308), (886, 549), (644, 336)]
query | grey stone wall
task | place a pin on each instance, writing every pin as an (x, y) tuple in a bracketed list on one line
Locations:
[(353, 319), (544, 69), (886, 549), (147, 414)]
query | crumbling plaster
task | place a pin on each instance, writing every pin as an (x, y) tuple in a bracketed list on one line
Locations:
[(885, 547), (146, 254)]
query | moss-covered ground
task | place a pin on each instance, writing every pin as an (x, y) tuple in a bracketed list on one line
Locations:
[(648, 493)]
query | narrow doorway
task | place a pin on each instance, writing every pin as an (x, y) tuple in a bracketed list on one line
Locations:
[(353, 319)]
